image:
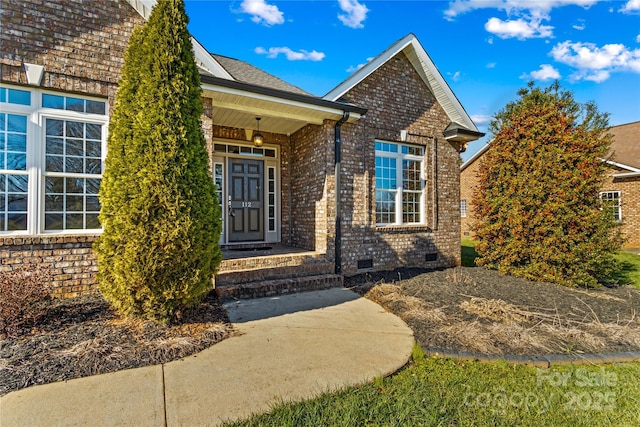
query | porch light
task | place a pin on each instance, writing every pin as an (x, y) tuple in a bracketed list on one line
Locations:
[(258, 139)]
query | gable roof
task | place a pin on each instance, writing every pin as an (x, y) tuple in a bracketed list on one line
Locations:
[(625, 147), (246, 73), (427, 71)]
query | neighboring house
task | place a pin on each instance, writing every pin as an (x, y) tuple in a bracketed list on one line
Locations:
[(388, 138), (621, 188)]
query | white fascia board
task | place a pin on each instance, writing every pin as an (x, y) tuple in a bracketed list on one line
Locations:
[(427, 70), (203, 58), (353, 116), (207, 61), (621, 166), (626, 175), (475, 156)]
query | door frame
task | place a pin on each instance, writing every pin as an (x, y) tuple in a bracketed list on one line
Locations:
[(271, 192)]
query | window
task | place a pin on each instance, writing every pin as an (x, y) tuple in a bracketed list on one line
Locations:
[(611, 200), (51, 160), (463, 208), (399, 186)]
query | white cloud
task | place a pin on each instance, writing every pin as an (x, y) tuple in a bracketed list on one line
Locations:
[(481, 119), (351, 68), (638, 38), (631, 6), (519, 28), (491, 65), (262, 13), (355, 13), (301, 55), (595, 63), (580, 26), (455, 76), (459, 7), (524, 17), (546, 72)]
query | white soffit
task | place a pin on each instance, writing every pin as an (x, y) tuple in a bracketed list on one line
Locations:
[(203, 59), (425, 68)]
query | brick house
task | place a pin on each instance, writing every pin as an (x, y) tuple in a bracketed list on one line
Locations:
[(388, 138), (622, 186)]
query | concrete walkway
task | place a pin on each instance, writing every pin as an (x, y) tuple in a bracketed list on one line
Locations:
[(291, 347)]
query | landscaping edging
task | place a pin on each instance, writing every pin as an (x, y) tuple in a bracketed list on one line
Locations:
[(539, 361)]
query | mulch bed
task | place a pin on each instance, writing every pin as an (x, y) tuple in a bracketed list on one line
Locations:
[(481, 311), (464, 309), (83, 336)]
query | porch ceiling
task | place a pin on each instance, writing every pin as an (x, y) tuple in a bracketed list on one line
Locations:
[(238, 108)]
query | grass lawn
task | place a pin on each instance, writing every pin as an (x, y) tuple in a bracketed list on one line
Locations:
[(630, 268), (469, 253), (630, 273), (434, 391)]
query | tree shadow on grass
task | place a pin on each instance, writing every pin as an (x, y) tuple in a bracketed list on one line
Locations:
[(469, 255)]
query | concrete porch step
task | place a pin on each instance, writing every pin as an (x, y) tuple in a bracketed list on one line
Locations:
[(275, 287), (240, 276)]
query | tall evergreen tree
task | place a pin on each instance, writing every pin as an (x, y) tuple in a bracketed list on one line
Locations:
[(538, 213), (160, 217)]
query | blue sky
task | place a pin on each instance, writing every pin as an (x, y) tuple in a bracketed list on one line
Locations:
[(485, 49)]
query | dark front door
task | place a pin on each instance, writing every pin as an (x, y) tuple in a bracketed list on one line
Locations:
[(245, 207)]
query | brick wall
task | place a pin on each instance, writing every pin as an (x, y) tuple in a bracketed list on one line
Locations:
[(629, 189), (397, 100), (68, 38), (468, 183), (310, 160), (69, 259)]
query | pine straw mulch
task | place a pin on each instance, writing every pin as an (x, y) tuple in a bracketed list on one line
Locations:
[(476, 310), (83, 336)]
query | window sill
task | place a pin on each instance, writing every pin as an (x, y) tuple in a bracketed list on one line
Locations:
[(18, 240), (413, 228)]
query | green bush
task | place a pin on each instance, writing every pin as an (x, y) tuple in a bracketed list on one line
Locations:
[(160, 217), (539, 214)]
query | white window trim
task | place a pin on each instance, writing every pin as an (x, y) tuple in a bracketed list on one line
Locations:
[(618, 206), (36, 116), (463, 208), (399, 157)]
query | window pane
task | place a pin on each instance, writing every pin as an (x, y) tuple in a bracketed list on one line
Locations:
[(73, 165), (16, 123), (53, 221), (75, 130), (74, 222), (74, 147), (94, 131), (74, 203), (93, 166), (75, 185), (55, 127), (54, 185), (92, 221), (54, 203), (17, 202), (16, 162), (96, 107), (93, 185), (75, 104), (53, 101), (17, 142), (16, 222), (54, 164), (21, 97), (17, 183), (54, 146), (93, 204), (94, 148)]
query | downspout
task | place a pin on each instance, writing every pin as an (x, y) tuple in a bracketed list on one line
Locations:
[(338, 239)]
